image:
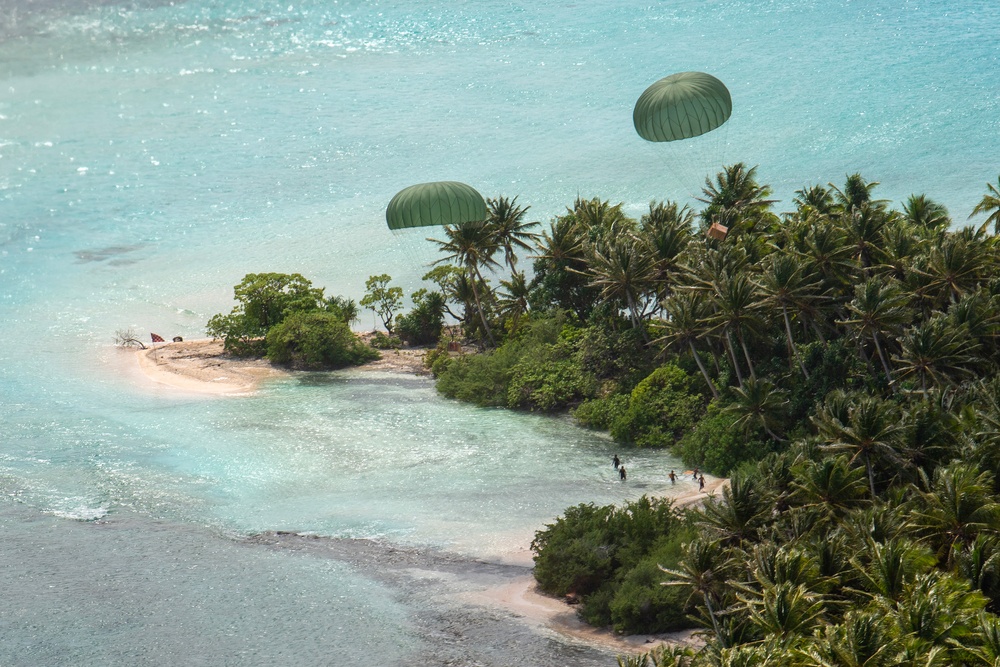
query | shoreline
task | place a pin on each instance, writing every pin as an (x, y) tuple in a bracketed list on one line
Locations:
[(201, 366)]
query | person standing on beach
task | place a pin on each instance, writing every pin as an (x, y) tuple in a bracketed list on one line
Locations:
[(696, 474), (673, 477), (621, 473), (701, 483), (616, 462)]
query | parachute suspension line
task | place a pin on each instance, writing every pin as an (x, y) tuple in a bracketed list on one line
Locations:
[(680, 110)]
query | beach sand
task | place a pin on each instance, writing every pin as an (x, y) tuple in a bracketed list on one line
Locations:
[(522, 598), (201, 366)]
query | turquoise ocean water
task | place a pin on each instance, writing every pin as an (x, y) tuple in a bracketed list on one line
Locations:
[(152, 153)]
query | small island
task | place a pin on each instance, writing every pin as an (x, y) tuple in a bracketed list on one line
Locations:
[(838, 363)]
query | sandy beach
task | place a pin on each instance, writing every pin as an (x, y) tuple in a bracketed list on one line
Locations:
[(201, 366)]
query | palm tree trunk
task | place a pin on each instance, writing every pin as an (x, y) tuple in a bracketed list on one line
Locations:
[(634, 315), (732, 355), (871, 475), (791, 343), (479, 305), (715, 622), (774, 436), (885, 364), (818, 331), (746, 353), (704, 373)]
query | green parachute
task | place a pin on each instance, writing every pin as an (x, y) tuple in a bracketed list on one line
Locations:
[(436, 203), (682, 106)]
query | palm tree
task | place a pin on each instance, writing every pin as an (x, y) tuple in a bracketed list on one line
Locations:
[(739, 515), (990, 203), (623, 272), (887, 567), (735, 195), (704, 568), (825, 247), (862, 639), (507, 219), (786, 284), (873, 431), (561, 267), (958, 507), (957, 265), (856, 194), (737, 305), (878, 310), (816, 198), (686, 313), (472, 245), (864, 226), (830, 484), (666, 230), (759, 403), (901, 247), (598, 218), (935, 352), (512, 301), (785, 610), (978, 313), (925, 214), (938, 614)]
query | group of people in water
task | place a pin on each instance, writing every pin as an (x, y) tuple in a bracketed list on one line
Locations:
[(697, 475)]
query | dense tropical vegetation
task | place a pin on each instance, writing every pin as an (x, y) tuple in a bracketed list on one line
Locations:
[(839, 361)]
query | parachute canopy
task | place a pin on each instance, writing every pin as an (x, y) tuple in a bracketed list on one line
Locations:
[(681, 106), (437, 203)]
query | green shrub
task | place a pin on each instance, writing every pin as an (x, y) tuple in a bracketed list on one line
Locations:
[(423, 324), (384, 341), (548, 385), (264, 300), (573, 555), (608, 557), (476, 378), (598, 413), (316, 340), (716, 445), (535, 370), (660, 409), (642, 604), (608, 354)]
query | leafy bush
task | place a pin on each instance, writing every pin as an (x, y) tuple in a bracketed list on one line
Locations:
[(383, 341), (620, 356), (643, 604), (660, 409), (423, 324), (264, 300), (478, 378), (573, 555), (598, 413), (316, 340), (551, 384), (608, 556), (716, 445), (535, 371)]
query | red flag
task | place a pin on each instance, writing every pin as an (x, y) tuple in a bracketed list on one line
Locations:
[(157, 338)]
